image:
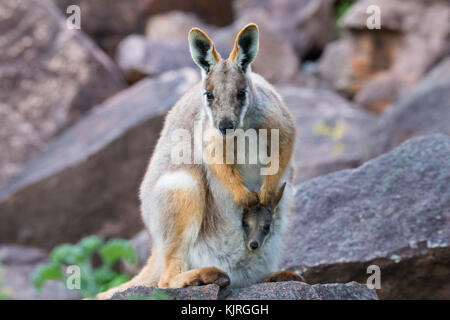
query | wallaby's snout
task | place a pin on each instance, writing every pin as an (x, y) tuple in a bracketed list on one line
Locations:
[(226, 127), (253, 245)]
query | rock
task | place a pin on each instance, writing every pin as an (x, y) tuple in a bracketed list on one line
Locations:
[(262, 291), (109, 22), (422, 110), (163, 50), (276, 60), (50, 76), (87, 181), (173, 26), (393, 212), (139, 57), (294, 290), (16, 265), (306, 25), (219, 13), (332, 133), (376, 65), (208, 292)]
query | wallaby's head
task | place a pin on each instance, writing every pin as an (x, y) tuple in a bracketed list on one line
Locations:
[(257, 222), (226, 82)]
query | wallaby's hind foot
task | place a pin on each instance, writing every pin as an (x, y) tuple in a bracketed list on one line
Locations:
[(197, 277), (285, 275)]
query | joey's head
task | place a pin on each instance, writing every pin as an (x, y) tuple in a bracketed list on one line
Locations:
[(227, 88), (257, 222)]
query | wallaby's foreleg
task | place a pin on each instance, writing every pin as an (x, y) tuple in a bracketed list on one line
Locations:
[(269, 189), (232, 180)]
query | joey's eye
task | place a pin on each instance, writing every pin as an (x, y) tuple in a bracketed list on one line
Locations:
[(244, 224), (241, 94), (266, 228), (209, 96)]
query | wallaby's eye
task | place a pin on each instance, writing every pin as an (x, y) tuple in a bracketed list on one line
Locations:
[(241, 94), (266, 228), (209, 96), (245, 224)]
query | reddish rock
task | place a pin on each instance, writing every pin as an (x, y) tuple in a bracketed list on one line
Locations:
[(165, 50), (424, 109), (212, 12), (307, 25), (376, 65), (108, 22)]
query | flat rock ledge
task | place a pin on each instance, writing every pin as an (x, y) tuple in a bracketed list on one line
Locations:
[(292, 290)]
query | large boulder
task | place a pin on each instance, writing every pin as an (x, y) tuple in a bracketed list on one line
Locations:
[(307, 25), (333, 134), (393, 212), (167, 48), (262, 291), (219, 13), (108, 22), (16, 266), (422, 110), (50, 76), (374, 66), (87, 181)]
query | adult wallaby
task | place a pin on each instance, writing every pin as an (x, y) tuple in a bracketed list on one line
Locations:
[(193, 212)]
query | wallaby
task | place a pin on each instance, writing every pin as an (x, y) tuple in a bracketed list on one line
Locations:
[(257, 222), (193, 211)]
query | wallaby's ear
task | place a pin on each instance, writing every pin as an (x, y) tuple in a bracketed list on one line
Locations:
[(245, 46), (202, 49), (279, 195)]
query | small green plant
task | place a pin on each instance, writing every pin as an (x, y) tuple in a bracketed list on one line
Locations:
[(92, 280), (3, 294)]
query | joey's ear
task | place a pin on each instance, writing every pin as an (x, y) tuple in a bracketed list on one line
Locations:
[(245, 46), (279, 195), (202, 49)]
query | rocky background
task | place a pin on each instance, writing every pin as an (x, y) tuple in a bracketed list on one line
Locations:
[(81, 110)]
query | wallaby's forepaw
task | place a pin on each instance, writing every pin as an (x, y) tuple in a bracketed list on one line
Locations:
[(196, 277), (211, 275), (285, 275)]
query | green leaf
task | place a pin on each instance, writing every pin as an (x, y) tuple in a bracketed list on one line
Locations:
[(118, 280), (116, 249), (49, 271), (68, 254), (90, 244), (104, 275)]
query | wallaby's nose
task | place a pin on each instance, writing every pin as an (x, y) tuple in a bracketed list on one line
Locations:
[(224, 125), (254, 245)]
